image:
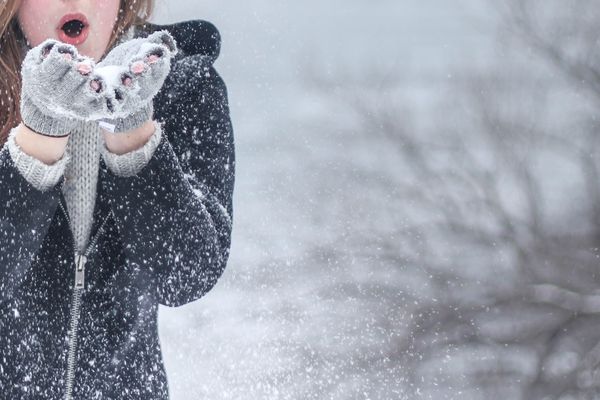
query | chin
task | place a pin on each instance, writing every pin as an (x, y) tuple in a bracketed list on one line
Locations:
[(92, 53)]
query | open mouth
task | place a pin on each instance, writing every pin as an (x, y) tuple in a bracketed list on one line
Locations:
[(73, 29)]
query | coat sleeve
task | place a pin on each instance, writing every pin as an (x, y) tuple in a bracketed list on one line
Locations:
[(25, 216), (175, 214), (39, 174)]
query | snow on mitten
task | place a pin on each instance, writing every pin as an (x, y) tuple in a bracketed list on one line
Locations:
[(59, 89), (135, 70)]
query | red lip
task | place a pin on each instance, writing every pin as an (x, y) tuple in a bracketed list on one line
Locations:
[(63, 37)]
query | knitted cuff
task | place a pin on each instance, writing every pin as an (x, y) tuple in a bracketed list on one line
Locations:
[(40, 175), (130, 122), (129, 164), (42, 123)]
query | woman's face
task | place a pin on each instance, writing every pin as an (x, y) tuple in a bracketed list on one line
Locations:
[(86, 24)]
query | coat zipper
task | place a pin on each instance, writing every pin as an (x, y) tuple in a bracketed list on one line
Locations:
[(78, 287)]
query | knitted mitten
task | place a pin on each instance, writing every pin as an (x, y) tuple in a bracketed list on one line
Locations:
[(59, 89), (135, 71)]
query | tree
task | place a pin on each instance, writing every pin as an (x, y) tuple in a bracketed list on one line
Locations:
[(500, 200)]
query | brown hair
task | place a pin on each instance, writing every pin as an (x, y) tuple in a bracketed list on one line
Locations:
[(131, 12)]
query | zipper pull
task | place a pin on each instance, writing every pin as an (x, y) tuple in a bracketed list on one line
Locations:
[(80, 271)]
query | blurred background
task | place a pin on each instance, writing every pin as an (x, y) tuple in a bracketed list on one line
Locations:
[(417, 203)]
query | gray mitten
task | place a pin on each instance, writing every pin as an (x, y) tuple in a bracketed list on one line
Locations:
[(134, 72), (59, 89)]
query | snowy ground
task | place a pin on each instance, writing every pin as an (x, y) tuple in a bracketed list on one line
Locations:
[(306, 309)]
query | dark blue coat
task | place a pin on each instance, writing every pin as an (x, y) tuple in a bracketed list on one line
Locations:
[(160, 237)]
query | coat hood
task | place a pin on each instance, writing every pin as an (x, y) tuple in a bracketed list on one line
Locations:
[(194, 37)]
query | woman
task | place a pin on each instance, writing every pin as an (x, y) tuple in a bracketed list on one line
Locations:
[(117, 183)]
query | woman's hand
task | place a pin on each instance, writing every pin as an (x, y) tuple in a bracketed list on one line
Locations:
[(59, 89), (135, 71), (62, 87)]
